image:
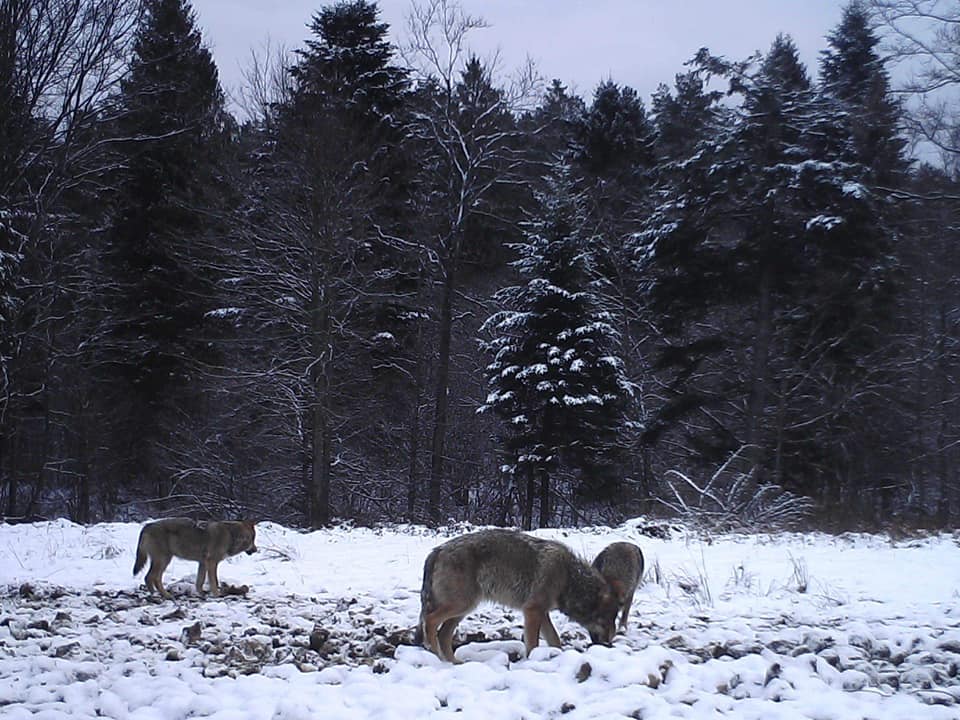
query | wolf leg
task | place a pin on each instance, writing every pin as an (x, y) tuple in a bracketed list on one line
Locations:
[(419, 633), (432, 623), (532, 622), (549, 632), (201, 576), (627, 602), (212, 574), (155, 575), (445, 637)]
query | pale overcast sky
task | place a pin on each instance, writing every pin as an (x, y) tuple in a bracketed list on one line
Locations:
[(640, 43)]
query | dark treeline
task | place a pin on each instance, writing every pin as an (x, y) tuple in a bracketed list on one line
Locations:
[(403, 289)]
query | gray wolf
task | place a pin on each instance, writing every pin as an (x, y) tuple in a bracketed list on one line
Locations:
[(519, 571), (621, 563), (206, 542)]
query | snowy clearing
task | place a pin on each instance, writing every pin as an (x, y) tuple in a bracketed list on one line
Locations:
[(767, 627)]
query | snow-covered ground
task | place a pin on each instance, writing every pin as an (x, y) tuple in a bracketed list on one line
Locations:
[(766, 627)]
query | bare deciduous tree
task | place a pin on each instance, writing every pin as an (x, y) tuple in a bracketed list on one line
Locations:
[(473, 149), (923, 36), (61, 62)]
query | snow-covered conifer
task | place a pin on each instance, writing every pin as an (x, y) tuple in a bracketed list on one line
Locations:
[(556, 379)]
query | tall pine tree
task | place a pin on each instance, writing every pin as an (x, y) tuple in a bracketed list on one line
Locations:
[(773, 243), (685, 117), (866, 117), (853, 295), (555, 122), (156, 286), (330, 178), (614, 135)]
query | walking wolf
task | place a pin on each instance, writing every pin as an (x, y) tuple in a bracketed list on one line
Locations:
[(206, 542)]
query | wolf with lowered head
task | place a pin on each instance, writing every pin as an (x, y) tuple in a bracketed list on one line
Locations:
[(519, 571), (207, 542), (621, 563)]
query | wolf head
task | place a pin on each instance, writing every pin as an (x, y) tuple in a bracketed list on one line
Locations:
[(602, 624), (245, 538), (593, 602)]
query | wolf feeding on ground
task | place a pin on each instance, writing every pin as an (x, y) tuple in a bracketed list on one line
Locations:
[(519, 571), (621, 563), (207, 542)]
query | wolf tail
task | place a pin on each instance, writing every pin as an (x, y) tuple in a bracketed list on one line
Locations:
[(141, 555), (426, 595)]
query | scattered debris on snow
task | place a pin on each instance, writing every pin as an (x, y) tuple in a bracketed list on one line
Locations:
[(320, 624)]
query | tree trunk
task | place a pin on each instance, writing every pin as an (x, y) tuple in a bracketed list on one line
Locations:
[(45, 443), (944, 509), (8, 466), (761, 357), (441, 399), (83, 479), (306, 463), (921, 390), (528, 498), (781, 425), (546, 511), (413, 480), (320, 389), (321, 464), (546, 507), (504, 500), (420, 361)]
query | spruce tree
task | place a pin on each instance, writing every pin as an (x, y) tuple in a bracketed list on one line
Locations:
[(347, 66), (157, 289), (685, 117), (615, 135), (555, 121), (556, 378), (330, 181), (865, 118), (762, 235), (852, 297)]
